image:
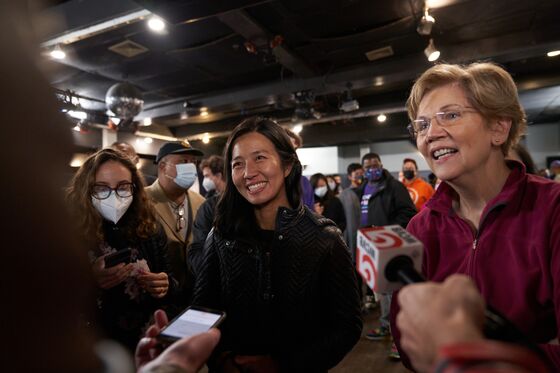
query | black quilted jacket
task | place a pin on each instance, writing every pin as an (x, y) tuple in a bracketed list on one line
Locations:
[(295, 299)]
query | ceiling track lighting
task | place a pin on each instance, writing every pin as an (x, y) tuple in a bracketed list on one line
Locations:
[(426, 23), (431, 52)]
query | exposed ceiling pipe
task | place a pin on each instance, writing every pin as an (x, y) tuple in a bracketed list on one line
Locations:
[(368, 112)]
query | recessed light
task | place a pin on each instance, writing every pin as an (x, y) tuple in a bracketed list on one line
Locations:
[(156, 24), (381, 118)]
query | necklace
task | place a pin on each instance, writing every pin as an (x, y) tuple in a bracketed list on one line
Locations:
[(179, 210)]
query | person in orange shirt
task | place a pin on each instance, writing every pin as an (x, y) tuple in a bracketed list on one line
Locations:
[(420, 191)]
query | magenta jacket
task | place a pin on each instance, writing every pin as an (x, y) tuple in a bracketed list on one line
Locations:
[(514, 258)]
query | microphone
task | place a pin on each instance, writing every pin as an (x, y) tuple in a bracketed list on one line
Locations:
[(389, 257)]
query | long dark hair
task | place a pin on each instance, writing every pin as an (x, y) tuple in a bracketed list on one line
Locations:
[(234, 214), (314, 180), (139, 220)]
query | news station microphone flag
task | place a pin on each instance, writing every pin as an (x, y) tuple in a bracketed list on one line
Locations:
[(389, 257)]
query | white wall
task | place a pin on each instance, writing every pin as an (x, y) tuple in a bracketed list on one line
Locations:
[(543, 140), (323, 160)]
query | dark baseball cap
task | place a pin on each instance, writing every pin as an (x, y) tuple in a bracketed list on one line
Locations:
[(177, 147)]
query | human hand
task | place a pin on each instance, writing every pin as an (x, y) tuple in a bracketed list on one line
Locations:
[(433, 315), (188, 354), (319, 208), (157, 284), (107, 278), (148, 348), (257, 364)]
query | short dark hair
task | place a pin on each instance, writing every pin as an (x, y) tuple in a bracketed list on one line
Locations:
[(371, 156), (234, 214), (215, 163), (353, 167), (411, 161)]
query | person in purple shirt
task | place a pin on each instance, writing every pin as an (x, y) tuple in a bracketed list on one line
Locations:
[(488, 219), (307, 193)]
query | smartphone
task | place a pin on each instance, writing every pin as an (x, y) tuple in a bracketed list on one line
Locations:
[(193, 320), (121, 256)]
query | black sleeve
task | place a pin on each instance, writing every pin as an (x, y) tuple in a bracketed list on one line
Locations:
[(207, 286), (339, 291), (201, 227), (159, 261), (340, 215), (403, 207)]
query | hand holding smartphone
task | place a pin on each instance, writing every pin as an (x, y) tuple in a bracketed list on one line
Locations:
[(121, 256), (193, 320)]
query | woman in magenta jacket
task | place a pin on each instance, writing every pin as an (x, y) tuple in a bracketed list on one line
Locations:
[(488, 219)]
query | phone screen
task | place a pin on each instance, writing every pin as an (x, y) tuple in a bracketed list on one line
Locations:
[(191, 322)]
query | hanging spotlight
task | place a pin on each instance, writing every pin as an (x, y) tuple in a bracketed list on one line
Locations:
[(297, 128), (57, 53), (553, 53), (426, 23), (381, 118), (431, 51)]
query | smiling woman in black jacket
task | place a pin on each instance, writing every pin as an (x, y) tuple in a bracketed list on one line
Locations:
[(282, 273)]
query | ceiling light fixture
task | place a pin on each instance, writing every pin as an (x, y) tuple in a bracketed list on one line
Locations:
[(57, 53), (206, 138), (203, 112), (553, 53), (148, 140), (147, 122), (426, 23), (297, 128), (184, 112), (431, 51), (156, 24), (381, 118)]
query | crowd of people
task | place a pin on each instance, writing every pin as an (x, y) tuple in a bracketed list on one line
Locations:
[(278, 260)]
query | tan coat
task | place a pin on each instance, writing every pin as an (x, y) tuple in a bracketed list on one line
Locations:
[(176, 245)]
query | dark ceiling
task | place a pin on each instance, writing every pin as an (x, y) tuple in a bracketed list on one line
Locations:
[(243, 57)]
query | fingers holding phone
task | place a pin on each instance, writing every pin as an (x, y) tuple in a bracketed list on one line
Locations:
[(107, 278), (157, 284)]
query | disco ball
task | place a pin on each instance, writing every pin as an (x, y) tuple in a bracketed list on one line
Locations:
[(124, 100)]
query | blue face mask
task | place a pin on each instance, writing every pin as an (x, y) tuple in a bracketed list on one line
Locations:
[(186, 175), (374, 174)]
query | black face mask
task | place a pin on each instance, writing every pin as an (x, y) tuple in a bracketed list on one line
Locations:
[(408, 174)]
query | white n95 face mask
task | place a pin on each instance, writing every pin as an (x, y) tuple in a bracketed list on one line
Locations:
[(113, 207), (186, 175), (321, 191), (208, 184)]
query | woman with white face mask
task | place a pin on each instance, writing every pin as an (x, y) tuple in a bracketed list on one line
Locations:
[(326, 203), (127, 246)]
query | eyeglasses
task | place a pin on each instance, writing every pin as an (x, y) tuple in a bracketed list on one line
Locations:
[(449, 117), (122, 190)]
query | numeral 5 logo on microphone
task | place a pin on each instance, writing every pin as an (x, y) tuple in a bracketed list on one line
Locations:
[(366, 267)]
